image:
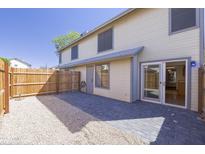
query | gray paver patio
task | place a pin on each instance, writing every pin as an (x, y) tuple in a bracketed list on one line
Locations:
[(154, 123), (78, 118)]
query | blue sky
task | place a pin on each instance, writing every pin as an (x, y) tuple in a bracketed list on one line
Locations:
[(27, 33)]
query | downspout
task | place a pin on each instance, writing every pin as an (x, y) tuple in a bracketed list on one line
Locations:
[(133, 79), (201, 26)]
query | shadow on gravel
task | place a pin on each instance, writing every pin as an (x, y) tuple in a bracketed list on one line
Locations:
[(180, 126)]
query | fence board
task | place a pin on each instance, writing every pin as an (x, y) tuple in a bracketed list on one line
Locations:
[(26, 82), (4, 88), (2, 91), (201, 90)]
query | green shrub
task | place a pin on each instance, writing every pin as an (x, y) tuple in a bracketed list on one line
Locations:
[(6, 60)]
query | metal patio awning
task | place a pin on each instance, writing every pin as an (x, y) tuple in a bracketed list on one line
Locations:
[(108, 57)]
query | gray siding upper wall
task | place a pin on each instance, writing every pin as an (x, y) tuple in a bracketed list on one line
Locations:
[(134, 30)]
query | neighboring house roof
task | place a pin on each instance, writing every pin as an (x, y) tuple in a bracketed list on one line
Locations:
[(21, 61), (99, 27), (112, 56)]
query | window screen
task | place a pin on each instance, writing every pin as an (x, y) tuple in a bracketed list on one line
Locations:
[(74, 52), (182, 18), (105, 40), (102, 76)]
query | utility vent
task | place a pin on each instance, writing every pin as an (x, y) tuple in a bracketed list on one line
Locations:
[(84, 33)]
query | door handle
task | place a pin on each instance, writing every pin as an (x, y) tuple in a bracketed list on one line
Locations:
[(162, 83)]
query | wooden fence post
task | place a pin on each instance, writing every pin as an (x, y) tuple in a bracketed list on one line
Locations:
[(6, 69), (57, 81), (72, 81), (79, 79)]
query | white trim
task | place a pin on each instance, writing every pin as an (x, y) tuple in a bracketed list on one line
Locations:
[(164, 81), (142, 83), (152, 101), (173, 105)]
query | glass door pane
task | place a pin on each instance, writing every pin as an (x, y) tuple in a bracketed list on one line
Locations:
[(175, 83), (151, 79)]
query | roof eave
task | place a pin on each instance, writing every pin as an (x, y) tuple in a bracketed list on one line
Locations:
[(99, 27), (21, 61)]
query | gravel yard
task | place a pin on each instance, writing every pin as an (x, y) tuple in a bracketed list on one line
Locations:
[(78, 118), (31, 121)]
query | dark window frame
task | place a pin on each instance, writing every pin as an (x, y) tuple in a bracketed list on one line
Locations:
[(73, 50), (97, 86), (60, 58), (185, 29), (98, 40)]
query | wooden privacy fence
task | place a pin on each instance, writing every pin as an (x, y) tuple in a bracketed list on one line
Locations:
[(27, 82), (15, 82), (4, 88)]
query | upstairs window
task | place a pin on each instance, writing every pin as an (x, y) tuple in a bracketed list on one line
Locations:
[(74, 52), (105, 40), (182, 18)]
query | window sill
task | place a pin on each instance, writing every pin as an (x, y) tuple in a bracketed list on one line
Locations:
[(102, 88), (74, 59), (99, 52), (184, 30)]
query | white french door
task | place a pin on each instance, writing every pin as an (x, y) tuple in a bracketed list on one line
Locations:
[(165, 82), (151, 77)]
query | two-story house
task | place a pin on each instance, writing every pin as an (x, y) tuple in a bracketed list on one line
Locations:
[(142, 54)]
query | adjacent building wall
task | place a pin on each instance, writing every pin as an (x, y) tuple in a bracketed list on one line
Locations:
[(18, 64)]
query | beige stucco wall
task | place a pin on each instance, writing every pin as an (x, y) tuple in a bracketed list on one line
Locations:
[(119, 81), (148, 28), (66, 56)]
